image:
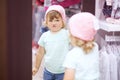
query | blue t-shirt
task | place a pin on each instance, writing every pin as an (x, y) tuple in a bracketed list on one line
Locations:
[(56, 47)]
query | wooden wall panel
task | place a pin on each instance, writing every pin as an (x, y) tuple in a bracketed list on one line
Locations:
[(3, 41), (15, 40)]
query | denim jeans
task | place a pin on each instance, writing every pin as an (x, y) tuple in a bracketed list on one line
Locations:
[(51, 76)]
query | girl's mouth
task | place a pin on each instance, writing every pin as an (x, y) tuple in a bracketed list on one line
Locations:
[(54, 26)]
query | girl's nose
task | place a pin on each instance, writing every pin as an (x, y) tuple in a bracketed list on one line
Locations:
[(53, 22)]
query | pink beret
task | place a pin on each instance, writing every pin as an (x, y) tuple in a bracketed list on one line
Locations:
[(83, 25)]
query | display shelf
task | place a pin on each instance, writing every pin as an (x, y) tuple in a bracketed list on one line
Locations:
[(109, 27)]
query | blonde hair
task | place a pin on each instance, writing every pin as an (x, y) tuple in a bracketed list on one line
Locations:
[(87, 46), (54, 14)]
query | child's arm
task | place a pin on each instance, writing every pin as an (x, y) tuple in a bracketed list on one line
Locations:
[(69, 74), (39, 57)]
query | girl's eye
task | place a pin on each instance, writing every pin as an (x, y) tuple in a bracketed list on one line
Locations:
[(57, 20), (50, 20)]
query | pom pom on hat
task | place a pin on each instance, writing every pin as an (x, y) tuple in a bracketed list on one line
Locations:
[(83, 25), (58, 8)]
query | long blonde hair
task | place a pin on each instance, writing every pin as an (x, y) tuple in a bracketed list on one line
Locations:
[(87, 46)]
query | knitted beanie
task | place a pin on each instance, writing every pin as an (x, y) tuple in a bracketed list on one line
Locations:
[(58, 8), (83, 25)]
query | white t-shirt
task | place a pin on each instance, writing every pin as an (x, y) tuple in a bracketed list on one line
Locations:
[(86, 65), (56, 47)]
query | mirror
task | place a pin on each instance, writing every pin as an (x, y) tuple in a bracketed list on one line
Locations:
[(38, 28)]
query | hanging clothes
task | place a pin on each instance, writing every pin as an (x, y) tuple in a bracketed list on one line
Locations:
[(107, 10), (116, 9), (65, 3), (110, 62)]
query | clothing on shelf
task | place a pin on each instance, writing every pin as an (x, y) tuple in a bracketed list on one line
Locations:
[(113, 20), (111, 8)]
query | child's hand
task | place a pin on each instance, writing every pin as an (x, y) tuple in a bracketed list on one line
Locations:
[(34, 71)]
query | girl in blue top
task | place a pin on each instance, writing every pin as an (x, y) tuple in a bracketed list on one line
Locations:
[(54, 44)]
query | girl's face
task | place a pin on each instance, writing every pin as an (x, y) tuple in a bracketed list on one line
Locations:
[(54, 23)]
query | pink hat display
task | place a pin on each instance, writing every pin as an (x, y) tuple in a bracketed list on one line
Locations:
[(58, 8), (83, 25)]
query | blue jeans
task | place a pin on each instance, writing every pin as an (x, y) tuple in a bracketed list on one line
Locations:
[(51, 76)]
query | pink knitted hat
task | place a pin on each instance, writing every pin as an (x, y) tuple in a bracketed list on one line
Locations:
[(83, 25), (58, 8)]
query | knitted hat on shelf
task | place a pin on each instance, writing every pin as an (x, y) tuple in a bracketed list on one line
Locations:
[(83, 25), (58, 8)]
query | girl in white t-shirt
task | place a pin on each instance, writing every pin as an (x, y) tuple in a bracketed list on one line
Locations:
[(82, 62)]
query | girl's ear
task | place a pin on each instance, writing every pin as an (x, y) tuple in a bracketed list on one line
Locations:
[(64, 25), (44, 23)]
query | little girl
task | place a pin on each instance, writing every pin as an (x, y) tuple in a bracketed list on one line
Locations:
[(54, 44), (82, 62)]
